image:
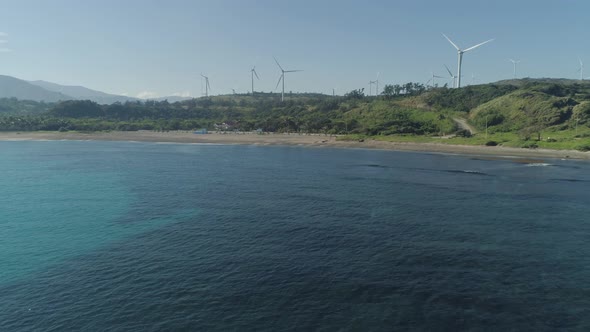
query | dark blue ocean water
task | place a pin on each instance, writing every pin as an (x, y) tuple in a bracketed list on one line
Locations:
[(121, 236)]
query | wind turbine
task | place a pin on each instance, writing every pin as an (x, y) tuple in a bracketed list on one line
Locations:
[(581, 69), (432, 79), (460, 56), (452, 76), (514, 62), (207, 86), (371, 87), (282, 78), (253, 73), (377, 84)]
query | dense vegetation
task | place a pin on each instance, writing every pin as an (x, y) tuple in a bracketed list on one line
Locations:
[(519, 109), (14, 106), (353, 113)]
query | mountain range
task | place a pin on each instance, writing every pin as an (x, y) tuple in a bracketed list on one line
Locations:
[(12, 87)]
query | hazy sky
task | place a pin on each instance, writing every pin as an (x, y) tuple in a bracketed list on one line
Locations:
[(157, 48)]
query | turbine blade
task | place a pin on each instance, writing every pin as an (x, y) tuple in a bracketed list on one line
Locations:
[(278, 63), (478, 45), (291, 71), (279, 82), (256, 74), (450, 41), (428, 81), (449, 71)]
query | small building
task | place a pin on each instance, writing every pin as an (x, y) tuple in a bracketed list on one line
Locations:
[(259, 131), (201, 131)]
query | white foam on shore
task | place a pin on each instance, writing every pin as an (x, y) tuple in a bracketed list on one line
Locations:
[(538, 165)]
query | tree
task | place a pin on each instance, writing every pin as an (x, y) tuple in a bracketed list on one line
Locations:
[(388, 91), (77, 109), (356, 94)]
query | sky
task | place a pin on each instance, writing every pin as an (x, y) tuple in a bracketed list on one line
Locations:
[(153, 48)]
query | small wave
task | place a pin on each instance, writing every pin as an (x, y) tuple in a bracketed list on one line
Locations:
[(538, 165), (570, 180), (467, 171), (375, 166)]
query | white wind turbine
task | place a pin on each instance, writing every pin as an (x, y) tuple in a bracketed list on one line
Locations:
[(581, 69), (376, 82), (452, 76), (282, 78), (253, 73), (433, 78), (207, 86), (514, 63), (460, 56)]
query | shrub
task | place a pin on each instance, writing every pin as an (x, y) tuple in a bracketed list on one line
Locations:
[(583, 147), (491, 143), (463, 133), (529, 145)]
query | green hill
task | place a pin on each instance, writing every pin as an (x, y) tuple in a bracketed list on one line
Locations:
[(528, 113)]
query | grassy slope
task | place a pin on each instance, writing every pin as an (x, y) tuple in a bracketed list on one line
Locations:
[(516, 113)]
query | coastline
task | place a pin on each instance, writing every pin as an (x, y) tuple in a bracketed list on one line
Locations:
[(293, 140)]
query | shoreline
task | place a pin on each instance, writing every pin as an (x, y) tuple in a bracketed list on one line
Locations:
[(314, 140)]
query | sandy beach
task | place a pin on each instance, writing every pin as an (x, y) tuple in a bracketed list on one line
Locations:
[(292, 139)]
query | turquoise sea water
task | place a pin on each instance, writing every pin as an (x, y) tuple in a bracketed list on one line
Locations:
[(141, 236)]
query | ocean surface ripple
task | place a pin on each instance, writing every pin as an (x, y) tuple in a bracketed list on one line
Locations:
[(149, 237)]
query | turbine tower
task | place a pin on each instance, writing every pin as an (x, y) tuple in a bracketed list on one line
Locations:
[(514, 62), (433, 78), (581, 69), (253, 73), (207, 86), (377, 84), (460, 56), (282, 78), (452, 76), (371, 87)]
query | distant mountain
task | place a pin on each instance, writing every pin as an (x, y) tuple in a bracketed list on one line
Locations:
[(80, 92), (21, 89), (12, 87)]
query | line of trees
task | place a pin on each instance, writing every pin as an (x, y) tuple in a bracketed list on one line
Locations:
[(353, 113), (408, 89)]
